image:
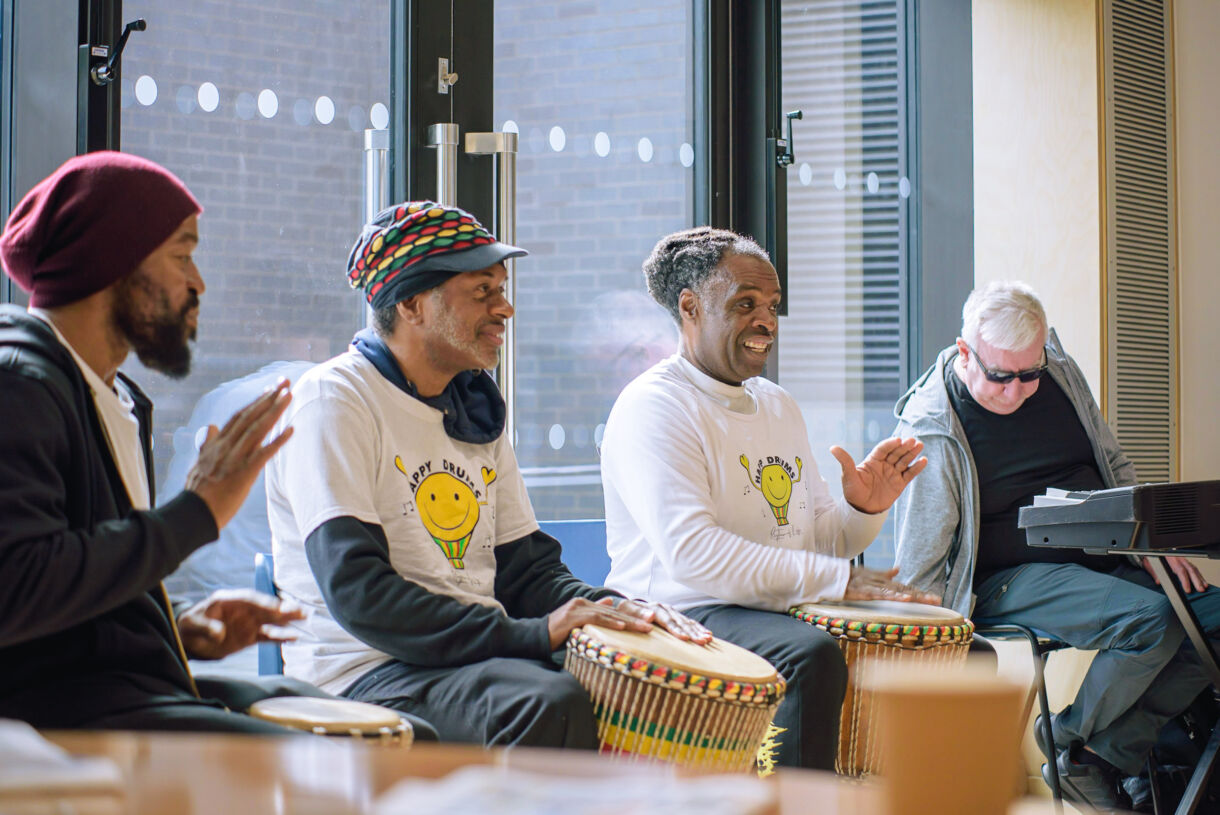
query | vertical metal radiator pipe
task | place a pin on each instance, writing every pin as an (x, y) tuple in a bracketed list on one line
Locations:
[(504, 147), (444, 137)]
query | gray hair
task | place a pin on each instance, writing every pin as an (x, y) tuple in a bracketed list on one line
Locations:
[(688, 259), (1005, 314)]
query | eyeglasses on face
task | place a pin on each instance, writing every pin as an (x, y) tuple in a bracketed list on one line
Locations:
[(1004, 377)]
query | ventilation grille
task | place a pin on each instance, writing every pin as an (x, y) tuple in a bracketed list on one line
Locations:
[(843, 66), (1140, 276), (1176, 511)]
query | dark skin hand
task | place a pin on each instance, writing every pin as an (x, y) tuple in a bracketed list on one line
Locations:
[(628, 615), (231, 459), (232, 619), (872, 584)]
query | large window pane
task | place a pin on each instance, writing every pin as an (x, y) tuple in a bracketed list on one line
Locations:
[(259, 106), (600, 93), (847, 197)]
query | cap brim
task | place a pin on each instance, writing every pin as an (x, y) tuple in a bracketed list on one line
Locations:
[(469, 260)]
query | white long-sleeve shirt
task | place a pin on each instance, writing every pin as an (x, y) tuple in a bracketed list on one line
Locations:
[(712, 496)]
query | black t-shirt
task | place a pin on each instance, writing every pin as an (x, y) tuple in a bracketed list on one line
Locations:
[(1039, 445)]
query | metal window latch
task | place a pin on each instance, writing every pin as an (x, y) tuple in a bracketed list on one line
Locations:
[(444, 79), (104, 74), (783, 147)]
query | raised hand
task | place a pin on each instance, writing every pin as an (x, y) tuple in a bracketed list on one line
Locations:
[(872, 584), (232, 619), (874, 484), (231, 459)]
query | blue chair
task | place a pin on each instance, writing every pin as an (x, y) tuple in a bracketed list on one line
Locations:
[(270, 660), (584, 547)]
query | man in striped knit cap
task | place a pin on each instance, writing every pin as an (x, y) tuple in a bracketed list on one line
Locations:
[(400, 520)]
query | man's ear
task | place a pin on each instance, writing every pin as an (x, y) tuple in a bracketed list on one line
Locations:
[(410, 310), (688, 305), (962, 349)]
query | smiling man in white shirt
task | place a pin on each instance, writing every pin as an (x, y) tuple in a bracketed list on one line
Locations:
[(713, 501)]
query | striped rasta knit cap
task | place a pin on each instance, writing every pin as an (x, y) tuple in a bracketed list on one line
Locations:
[(418, 245)]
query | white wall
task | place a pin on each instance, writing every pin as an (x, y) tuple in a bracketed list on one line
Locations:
[(1036, 171), (1197, 70)]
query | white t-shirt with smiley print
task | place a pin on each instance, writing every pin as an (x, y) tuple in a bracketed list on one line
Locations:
[(363, 448), (712, 496)]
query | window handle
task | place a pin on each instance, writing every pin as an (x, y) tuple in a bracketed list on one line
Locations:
[(784, 146), (104, 74)]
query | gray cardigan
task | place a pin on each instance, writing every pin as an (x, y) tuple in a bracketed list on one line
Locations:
[(936, 519)]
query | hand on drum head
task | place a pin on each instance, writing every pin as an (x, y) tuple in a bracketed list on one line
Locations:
[(669, 618), (871, 584), (874, 484), (232, 619), (578, 611), (231, 459)]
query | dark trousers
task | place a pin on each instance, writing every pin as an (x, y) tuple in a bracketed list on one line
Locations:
[(811, 662), (1145, 671), (502, 701), (215, 712)]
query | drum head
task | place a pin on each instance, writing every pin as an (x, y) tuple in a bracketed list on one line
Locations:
[(335, 715), (718, 658), (884, 611)]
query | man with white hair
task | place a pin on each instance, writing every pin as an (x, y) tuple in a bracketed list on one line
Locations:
[(1005, 414)]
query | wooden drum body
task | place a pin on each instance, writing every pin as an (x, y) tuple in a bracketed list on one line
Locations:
[(658, 697), (875, 632), (337, 717)]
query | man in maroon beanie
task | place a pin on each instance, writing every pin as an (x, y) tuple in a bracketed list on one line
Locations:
[(87, 635)]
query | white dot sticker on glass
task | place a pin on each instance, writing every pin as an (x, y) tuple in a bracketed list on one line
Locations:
[(873, 183), (686, 154), (209, 97), (840, 179), (556, 437), (324, 110), (146, 90), (904, 187), (557, 139), (379, 116), (601, 143), (644, 149), (806, 174), (268, 103), (510, 127)]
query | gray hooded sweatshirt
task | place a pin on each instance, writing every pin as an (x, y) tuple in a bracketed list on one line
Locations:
[(936, 519)]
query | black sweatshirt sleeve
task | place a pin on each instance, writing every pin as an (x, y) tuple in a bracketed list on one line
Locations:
[(351, 561), (532, 580), (52, 576)]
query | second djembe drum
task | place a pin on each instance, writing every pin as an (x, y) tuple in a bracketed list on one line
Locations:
[(661, 698), (873, 633), (337, 717)]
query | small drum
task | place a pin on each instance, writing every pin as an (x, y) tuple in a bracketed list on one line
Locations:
[(337, 717), (882, 631), (658, 697)]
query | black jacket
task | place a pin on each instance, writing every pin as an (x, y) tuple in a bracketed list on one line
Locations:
[(82, 630)]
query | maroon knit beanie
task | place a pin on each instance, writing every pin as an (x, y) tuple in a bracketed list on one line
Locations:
[(90, 223)]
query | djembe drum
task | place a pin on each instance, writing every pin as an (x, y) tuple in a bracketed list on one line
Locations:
[(876, 632), (337, 717), (658, 697)]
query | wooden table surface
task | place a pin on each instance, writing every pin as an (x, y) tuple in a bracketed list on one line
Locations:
[(193, 774)]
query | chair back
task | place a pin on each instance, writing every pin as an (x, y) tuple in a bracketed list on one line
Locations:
[(270, 660), (584, 547)]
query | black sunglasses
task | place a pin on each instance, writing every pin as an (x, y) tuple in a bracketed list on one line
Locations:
[(1004, 377)]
